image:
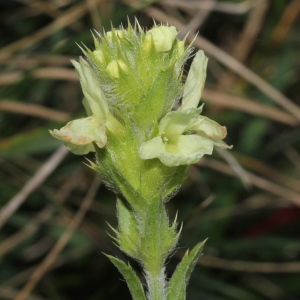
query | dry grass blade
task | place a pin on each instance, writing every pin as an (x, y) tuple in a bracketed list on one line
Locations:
[(255, 180), (23, 276), (251, 30), (42, 7), (45, 170), (267, 171), (74, 13), (197, 20), (34, 60), (47, 73), (94, 12), (231, 63), (33, 110), (247, 266), (9, 293), (231, 8), (264, 286), (249, 75), (246, 39), (28, 230), (61, 243), (10, 78), (42, 217), (288, 18), (249, 106), (236, 167), (294, 156), (56, 73), (49, 8)]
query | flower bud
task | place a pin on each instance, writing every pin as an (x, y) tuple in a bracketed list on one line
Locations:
[(98, 55), (162, 37), (113, 68), (180, 47), (118, 33)]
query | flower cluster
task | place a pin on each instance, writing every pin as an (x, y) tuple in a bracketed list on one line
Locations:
[(134, 77), (131, 82)]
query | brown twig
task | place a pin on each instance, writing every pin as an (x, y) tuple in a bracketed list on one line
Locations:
[(74, 13), (231, 8), (247, 266), (261, 168), (48, 73), (45, 170), (28, 230), (95, 15), (61, 243), (236, 167), (19, 61), (197, 20), (246, 39), (288, 18), (41, 217), (23, 276), (33, 110), (255, 180), (247, 105), (9, 293)]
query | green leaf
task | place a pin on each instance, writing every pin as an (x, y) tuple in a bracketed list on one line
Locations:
[(133, 282), (128, 235), (178, 283)]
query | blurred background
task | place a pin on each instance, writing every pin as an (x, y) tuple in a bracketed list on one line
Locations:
[(246, 201)]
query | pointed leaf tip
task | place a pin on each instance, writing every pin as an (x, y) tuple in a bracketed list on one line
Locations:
[(133, 282), (178, 283)]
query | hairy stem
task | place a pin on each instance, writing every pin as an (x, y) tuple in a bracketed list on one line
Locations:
[(157, 239)]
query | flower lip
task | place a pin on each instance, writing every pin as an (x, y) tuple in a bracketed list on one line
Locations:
[(183, 138), (172, 146), (177, 122)]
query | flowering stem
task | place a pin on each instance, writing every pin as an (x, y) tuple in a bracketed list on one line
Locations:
[(150, 241), (154, 250), (131, 82), (156, 285)]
